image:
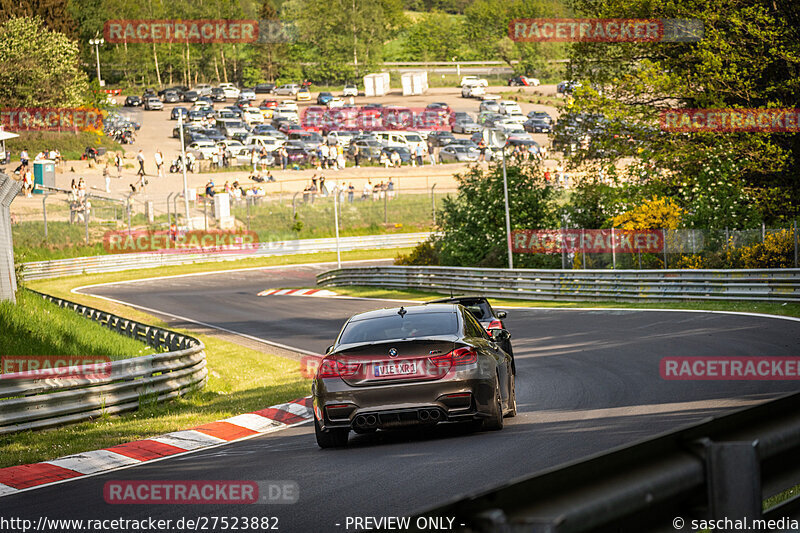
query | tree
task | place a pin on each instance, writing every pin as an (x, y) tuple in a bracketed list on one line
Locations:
[(749, 57), (473, 223), (39, 67)]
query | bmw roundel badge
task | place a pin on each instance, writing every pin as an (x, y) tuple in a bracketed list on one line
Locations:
[(392, 352)]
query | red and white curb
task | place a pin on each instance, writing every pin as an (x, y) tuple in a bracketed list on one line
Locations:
[(15, 479), (298, 292)]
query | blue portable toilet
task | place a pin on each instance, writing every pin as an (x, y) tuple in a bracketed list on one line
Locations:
[(44, 173)]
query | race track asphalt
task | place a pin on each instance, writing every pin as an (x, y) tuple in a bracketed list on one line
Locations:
[(587, 381)]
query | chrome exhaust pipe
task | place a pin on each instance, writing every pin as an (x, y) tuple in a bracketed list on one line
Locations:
[(360, 421), (371, 420), (435, 414), (423, 415)]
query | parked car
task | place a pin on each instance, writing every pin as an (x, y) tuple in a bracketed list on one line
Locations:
[(218, 94), (542, 116), (335, 102), (537, 125), (133, 101), (350, 89), (324, 97), (231, 90), (205, 148), (523, 81), (230, 127), (153, 104), (247, 94), (465, 125), (489, 105), (411, 367), (472, 90), (458, 154), (195, 128), (340, 137), (190, 96), (178, 110), (203, 89), (288, 89), (441, 138), (311, 140), (252, 115), (170, 97), (508, 107), (368, 149), (473, 80), (268, 104), (264, 88), (303, 95)]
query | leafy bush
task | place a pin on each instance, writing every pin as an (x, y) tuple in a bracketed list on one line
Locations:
[(655, 213), (473, 223), (424, 254), (777, 251)]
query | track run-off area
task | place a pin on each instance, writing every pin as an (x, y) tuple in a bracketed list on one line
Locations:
[(588, 380)]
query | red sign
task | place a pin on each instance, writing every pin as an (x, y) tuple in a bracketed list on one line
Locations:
[(586, 30), (730, 120)]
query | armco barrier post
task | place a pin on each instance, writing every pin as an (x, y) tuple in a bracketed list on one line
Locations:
[(9, 189), (794, 234)]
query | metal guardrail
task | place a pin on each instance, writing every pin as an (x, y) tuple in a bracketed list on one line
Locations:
[(119, 262), (718, 469), (41, 402), (775, 285)]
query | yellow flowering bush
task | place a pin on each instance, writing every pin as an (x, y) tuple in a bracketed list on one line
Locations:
[(655, 213), (777, 251)]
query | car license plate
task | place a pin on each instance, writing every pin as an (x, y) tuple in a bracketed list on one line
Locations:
[(400, 368)]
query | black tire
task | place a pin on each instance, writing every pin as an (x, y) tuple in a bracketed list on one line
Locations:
[(333, 438), (495, 421), (512, 397)]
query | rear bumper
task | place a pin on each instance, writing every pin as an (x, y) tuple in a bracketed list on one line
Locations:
[(401, 405)]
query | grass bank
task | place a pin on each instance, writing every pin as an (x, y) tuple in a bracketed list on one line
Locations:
[(71, 145), (35, 326)]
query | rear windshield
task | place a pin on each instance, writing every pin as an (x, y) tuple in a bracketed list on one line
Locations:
[(397, 327)]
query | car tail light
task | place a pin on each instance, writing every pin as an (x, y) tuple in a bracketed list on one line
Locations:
[(458, 357), (332, 368), (495, 324)]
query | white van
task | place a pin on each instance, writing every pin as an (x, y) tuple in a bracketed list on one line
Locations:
[(408, 139), (270, 143)]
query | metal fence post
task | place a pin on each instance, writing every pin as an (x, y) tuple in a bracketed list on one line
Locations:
[(205, 213), (9, 188), (563, 248), (86, 217), (385, 207), (664, 246), (763, 232), (433, 203), (613, 250), (583, 251), (247, 207), (44, 214), (794, 233)]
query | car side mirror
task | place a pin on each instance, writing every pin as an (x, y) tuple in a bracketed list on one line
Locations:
[(329, 349), (502, 314), (499, 335)]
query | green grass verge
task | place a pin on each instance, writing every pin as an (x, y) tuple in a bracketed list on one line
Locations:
[(742, 307), (240, 379), (35, 326)]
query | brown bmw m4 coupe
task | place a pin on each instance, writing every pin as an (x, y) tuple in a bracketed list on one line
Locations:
[(415, 366)]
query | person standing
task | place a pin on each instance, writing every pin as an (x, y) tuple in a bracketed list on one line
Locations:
[(350, 192), (420, 153), (432, 151), (140, 159), (159, 159), (284, 157), (340, 156), (254, 159), (107, 177), (23, 157), (390, 189), (357, 156), (118, 163), (482, 151)]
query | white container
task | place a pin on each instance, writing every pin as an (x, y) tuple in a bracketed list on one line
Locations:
[(414, 83), (376, 84)]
